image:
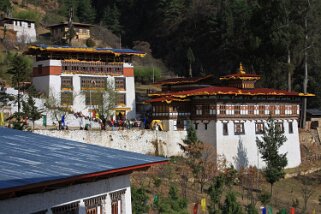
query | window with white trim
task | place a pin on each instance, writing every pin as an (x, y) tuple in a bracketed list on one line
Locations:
[(117, 200)]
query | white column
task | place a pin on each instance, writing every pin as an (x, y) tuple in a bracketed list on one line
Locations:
[(82, 208)]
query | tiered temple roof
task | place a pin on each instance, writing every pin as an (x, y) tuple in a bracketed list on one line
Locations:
[(239, 89)]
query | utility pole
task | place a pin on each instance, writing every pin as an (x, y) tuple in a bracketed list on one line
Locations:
[(305, 81), (70, 26)]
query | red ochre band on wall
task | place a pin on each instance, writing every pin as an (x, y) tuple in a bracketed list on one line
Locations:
[(45, 71), (128, 72)]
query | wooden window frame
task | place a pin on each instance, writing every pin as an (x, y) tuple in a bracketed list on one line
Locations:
[(66, 83), (198, 110), (261, 110), (222, 109), (94, 98), (250, 110), (120, 83), (66, 98), (259, 128), (72, 208), (239, 128), (121, 99), (281, 125), (237, 110)]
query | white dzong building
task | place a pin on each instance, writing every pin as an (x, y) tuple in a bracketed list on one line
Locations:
[(77, 77), (230, 116)]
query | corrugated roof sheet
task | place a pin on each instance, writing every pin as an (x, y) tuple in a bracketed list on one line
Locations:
[(27, 158)]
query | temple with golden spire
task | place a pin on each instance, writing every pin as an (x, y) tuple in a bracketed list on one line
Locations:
[(231, 115)]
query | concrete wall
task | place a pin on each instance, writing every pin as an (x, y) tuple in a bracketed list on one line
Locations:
[(134, 140), (42, 201)]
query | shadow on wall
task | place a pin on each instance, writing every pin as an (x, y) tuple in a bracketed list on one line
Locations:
[(241, 159)]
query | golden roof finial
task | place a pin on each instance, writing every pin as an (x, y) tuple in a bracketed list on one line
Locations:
[(242, 71)]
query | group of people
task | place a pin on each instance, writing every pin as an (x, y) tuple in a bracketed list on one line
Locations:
[(119, 123)]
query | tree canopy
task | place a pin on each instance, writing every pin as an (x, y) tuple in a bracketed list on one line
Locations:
[(273, 138)]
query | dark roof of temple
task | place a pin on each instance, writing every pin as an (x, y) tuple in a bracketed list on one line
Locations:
[(66, 23), (42, 48), (29, 160), (182, 80), (217, 90), (15, 19)]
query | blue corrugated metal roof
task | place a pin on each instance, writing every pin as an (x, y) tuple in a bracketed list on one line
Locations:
[(115, 50), (27, 158)]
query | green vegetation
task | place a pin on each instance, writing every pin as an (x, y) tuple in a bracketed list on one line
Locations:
[(5, 6), (139, 200), (273, 138), (144, 74), (30, 110), (231, 206), (173, 204), (28, 15)]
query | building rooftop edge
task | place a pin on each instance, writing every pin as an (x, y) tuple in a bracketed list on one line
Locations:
[(56, 48)]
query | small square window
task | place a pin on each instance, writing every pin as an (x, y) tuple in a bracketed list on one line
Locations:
[(205, 126), (239, 128), (225, 129)]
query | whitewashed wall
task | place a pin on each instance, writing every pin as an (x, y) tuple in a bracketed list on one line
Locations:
[(130, 97), (24, 33), (133, 140), (41, 201), (239, 149)]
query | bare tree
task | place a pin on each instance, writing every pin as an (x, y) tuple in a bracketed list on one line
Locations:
[(306, 191)]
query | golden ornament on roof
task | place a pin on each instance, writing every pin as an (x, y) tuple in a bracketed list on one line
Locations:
[(242, 71)]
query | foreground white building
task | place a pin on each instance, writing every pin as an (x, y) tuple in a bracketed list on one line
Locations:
[(230, 116), (41, 174), (79, 78), (25, 30)]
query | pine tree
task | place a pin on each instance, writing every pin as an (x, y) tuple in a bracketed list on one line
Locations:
[(231, 206), (273, 138), (111, 19), (85, 11), (215, 192), (5, 6), (20, 68), (30, 110)]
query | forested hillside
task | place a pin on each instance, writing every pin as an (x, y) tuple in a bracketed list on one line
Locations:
[(269, 37)]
